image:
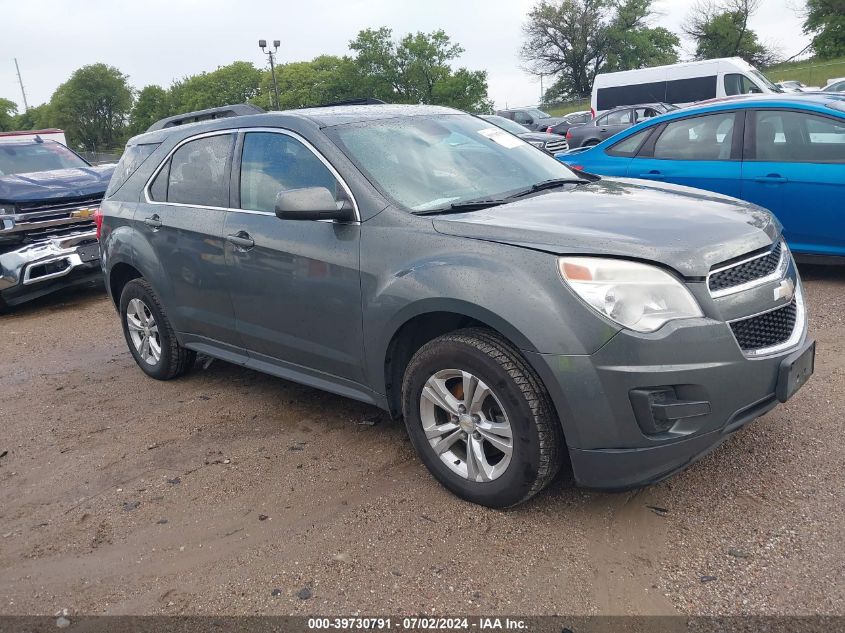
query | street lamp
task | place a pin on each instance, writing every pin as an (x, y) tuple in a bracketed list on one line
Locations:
[(262, 44)]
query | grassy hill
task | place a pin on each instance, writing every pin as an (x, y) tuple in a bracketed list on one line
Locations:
[(809, 71)]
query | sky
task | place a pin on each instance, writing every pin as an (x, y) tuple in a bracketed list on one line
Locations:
[(158, 41)]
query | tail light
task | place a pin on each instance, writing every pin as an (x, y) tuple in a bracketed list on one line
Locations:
[(98, 220), (568, 135), (592, 113), (577, 167), (549, 130)]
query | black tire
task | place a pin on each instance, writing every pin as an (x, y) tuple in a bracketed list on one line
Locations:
[(537, 439), (174, 359)]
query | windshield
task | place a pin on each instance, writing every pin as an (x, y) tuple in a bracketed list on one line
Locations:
[(430, 163), (31, 157), (538, 114), (764, 80), (506, 124)]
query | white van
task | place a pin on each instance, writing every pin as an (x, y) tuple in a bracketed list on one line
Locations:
[(678, 84)]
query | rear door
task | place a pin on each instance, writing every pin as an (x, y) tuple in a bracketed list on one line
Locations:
[(295, 284), (795, 167), (613, 123), (702, 151), (182, 218)]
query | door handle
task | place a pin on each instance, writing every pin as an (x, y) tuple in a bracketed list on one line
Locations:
[(774, 178), (154, 222), (604, 129), (241, 240), (653, 175)]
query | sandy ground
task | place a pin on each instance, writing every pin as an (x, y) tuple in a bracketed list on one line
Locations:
[(231, 492)]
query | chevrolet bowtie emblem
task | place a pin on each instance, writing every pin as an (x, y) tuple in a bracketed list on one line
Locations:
[(84, 213), (785, 290)]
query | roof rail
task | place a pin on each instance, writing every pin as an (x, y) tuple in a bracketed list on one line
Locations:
[(350, 102), (240, 109)]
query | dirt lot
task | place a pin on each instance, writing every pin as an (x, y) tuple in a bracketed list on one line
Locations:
[(231, 492)]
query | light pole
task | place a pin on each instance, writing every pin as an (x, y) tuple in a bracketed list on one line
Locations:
[(262, 44)]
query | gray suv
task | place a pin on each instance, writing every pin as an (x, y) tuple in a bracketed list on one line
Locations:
[(420, 259)]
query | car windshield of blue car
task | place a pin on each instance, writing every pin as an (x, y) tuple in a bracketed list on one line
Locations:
[(427, 163), (25, 158)]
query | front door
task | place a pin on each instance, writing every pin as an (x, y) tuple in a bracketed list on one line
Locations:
[(295, 284), (795, 167), (183, 224)]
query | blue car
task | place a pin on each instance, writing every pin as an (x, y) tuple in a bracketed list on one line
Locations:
[(784, 152)]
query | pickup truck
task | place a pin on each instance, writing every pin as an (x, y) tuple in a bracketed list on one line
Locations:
[(48, 198)]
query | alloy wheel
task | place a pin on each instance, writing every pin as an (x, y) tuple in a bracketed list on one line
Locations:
[(143, 330)]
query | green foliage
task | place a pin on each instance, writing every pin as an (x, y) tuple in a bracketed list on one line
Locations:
[(825, 19), (36, 118), (811, 72), (324, 79), (236, 83), (7, 115), (573, 40), (93, 106), (152, 104), (721, 30)]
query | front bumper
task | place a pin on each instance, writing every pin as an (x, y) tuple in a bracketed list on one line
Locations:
[(611, 445), (35, 269)]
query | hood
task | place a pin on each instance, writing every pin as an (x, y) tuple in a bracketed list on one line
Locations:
[(686, 229), (58, 183), (544, 137)]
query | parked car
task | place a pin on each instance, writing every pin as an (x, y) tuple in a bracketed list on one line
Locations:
[(48, 196), (835, 85), (571, 120), (613, 122), (533, 119), (416, 259), (679, 84), (552, 143), (783, 152)]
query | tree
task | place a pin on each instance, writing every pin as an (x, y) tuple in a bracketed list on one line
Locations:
[(720, 29), (7, 115), (36, 118), (416, 69), (236, 83), (324, 79), (152, 104), (825, 20), (575, 39), (93, 106)]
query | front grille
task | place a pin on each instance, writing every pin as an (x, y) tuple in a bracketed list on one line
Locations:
[(747, 271), (47, 210), (767, 329), (557, 146)]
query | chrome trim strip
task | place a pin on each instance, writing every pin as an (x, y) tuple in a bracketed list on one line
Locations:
[(797, 331), (245, 130), (778, 273)]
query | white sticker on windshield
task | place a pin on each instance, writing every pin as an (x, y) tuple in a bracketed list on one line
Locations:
[(497, 135)]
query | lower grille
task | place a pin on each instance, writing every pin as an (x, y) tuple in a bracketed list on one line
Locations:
[(767, 329)]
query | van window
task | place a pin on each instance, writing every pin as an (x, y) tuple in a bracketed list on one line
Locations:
[(199, 172), (736, 84), (272, 163), (691, 89), (708, 137), (615, 96), (799, 137)]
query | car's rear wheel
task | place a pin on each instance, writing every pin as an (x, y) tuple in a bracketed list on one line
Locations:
[(149, 335), (480, 419)]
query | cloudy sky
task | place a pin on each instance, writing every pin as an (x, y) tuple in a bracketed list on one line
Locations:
[(157, 41)]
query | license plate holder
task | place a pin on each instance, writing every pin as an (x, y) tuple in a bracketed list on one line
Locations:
[(89, 252), (795, 370)]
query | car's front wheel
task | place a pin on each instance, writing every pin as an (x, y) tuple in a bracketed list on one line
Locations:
[(480, 419), (149, 335)]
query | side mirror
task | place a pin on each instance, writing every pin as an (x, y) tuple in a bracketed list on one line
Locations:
[(312, 203)]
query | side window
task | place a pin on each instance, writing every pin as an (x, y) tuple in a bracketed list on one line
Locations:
[(788, 136), (621, 117), (629, 146), (133, 157), (272, 163), (601, 121), (707, 137), (199, 172), (521, 117), (736, 84), (158, 190), (641, 114)]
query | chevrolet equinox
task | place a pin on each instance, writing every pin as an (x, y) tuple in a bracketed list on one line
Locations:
[(516, 314)]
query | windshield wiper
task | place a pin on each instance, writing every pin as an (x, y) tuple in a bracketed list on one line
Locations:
[(548, 184), (467, 205)]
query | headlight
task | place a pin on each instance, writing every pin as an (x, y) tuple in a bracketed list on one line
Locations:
[(539, 144), (636, 296)]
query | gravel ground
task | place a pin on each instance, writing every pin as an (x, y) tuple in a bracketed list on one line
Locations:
[(231, 492)]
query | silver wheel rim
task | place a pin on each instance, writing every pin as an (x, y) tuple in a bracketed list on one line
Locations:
[(143, 330), (466, 425)]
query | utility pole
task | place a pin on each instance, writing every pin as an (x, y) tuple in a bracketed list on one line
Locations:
[(542, 92), (262, 44), (20, 81)]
